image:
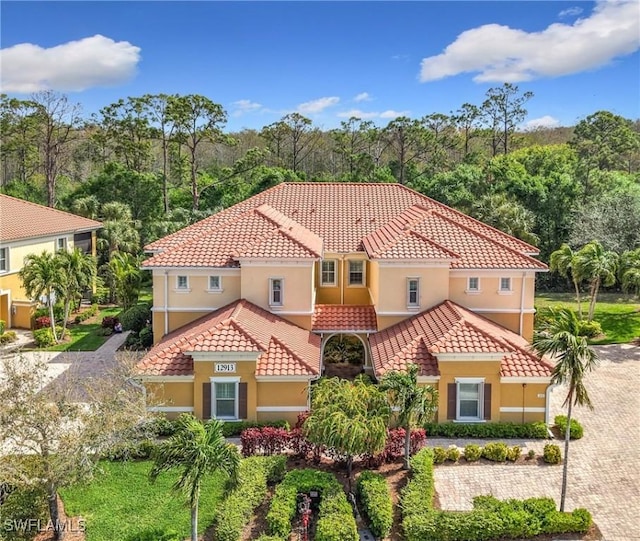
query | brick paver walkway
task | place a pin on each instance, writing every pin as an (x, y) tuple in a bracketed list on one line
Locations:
[(604, 466)]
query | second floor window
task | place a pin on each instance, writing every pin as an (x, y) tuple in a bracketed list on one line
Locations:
[(215, 283), (4, 259), (275, 291), (473, 283), (328, 273), (356, 273), (413, 292), (182, 282), (505, 284)]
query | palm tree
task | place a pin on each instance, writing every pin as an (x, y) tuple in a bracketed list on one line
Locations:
[(125, 278), (415, 405), (197, 449), (118, 233), (563, 261), (79, 271), (597, 266), (42, 276), (560, 339), (629, 271)]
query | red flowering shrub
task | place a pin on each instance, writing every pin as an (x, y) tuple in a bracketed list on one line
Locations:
[(109, 322), (394, 448), (42, 322), (267, 440)]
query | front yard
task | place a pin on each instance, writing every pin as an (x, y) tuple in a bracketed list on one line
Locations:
[(88, 335)]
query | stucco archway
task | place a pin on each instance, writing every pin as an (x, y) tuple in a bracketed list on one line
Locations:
[(345, 355)]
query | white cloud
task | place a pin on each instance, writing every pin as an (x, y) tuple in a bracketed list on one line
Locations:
[(363, 96), (245, 106), (367, 115), (503, 54), (546, 121), (71, 66), (317, 106), (570, 12), (393, 114)]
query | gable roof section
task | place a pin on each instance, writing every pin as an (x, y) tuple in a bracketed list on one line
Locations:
[(21, 219), (344, 317), (450, 328), (283, 348), (302, 220)]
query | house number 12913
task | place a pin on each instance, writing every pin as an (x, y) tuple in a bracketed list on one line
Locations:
[(225, 367)]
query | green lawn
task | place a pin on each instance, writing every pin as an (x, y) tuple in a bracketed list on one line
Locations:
[(86, 336), (120, 502), (618, 314)]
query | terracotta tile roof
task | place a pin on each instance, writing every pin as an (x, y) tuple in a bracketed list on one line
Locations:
[(305, 219), (344, 317), (283, 348), (21, 219), (450, 328)]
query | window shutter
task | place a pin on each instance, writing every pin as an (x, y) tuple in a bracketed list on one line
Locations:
[(242, 400), (452, 399), (487, 401), (206, 400)]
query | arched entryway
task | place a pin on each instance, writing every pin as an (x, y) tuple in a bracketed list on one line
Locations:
[(344, 355)]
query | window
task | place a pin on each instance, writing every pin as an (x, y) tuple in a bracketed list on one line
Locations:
[(61, 244), (4, 259), (469, 401), (182, 282), (275, 292), (505, 284), (215, 283), (328, 274), (413, 292), (356, 273), (225, 400), (473, 284)]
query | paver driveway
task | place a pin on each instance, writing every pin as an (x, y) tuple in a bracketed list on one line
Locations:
[(604, 466)]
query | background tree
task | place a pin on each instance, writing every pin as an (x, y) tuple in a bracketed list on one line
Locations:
[(18, 133), (292, 139), (467, 121), (598, 267), (559, 338), (415, 404), (629, 271), (348, 416), (564, 262), (118, 233), (506, 214), (125, 278), (197, 450), (407, 140)]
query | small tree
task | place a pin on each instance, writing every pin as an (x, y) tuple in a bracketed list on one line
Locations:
[(560, 338), (599, 267), (630, 271), (78, 273), (563, 261), (53, 436), (125, 278), (415, 404), (197, 449), (348, 416)]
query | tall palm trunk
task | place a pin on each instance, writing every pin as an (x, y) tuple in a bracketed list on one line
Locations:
[(51, 316), (594, 294), (194, 519), (575, 283), (565, 466)]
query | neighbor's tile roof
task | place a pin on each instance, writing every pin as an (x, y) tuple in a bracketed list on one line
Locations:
[(21, 219), (303, 220), (344, 317), (450, 328), (283, 348)]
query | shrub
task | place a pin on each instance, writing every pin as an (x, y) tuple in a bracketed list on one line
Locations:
[(44, 337), (235, 428), (156, 534), (3, 326), (439, 455), (575, 432), (87, 314), (488, 430), (453, 453), (552, 454), (42, 322), (159, 426), (394, 446), (531, 454), (513, 453), (236, 510), (267, 440), (472, 452), (376, 502), (136, 450), (495, 451), (590, 329), (23, 504), (8, 337), (109, 322), (135, 318)]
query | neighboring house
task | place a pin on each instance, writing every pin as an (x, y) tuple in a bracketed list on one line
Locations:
[(28, 228), (246, 301)]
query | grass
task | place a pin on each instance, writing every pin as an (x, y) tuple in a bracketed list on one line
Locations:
[(618, 314), (86, 336), (120, 502)]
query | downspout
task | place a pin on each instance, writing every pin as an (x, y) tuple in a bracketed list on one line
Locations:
[(342, 279), (166, 302), (521, 325)]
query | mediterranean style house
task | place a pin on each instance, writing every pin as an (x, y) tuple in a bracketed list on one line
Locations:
[(246, 301), (28, 228)]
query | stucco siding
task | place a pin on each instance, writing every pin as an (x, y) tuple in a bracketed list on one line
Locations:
[(297, 294), (393, 283)]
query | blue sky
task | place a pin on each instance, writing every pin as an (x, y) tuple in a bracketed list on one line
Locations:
[(330, 60)]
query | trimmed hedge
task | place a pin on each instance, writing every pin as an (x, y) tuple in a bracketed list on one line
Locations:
[(488, 430), (335, 518), (236, 510), (377, 504), (490, 518), (552, 454), (160, 426), (575, 432)]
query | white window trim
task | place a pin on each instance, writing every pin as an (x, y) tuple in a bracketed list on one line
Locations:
[(272, 304), (335, 273), (6, 260), (469, 290), (179, 289), (411, 305), (480, 418), (66, 244), (214, 289), (220, 379), (505, 291), (364, 272)]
